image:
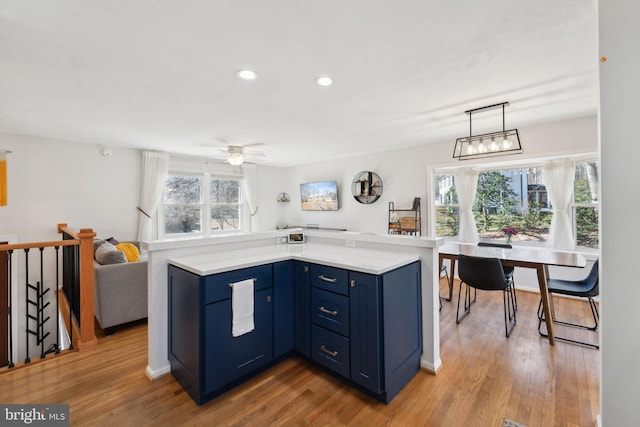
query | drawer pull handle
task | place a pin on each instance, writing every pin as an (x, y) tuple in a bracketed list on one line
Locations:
[(327, 311), (327, 279), (329, 352)]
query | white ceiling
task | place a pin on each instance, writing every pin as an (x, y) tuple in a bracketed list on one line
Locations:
[(161, 74)]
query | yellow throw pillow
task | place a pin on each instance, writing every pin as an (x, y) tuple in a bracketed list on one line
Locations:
[(130, 251)]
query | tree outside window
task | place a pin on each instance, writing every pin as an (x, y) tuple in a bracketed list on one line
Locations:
[(512, 198), (586, 204), (447, 216), (183, 204), (225, 204)]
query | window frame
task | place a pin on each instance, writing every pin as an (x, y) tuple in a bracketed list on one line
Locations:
[(241, 223), (438, 171), (206, 205)]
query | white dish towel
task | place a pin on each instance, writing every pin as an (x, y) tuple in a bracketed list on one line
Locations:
[(242, 307)]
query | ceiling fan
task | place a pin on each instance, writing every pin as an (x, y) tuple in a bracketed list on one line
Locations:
[(236, 154)]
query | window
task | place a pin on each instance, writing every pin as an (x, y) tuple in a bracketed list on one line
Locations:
[(183, 204), (188, 197), (225, 204), (446, 204), (512, 198), (518, 198), (585, 206)]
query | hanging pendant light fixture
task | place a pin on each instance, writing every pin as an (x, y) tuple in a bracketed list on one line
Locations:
[(488, 144)]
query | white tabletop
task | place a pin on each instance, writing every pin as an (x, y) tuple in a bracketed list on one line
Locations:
[(517, 254)]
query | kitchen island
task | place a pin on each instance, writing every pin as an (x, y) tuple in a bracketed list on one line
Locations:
[(358, 252), (355, 313)]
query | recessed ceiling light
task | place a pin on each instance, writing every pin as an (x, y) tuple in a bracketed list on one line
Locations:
[(246, 74), (324, 81)]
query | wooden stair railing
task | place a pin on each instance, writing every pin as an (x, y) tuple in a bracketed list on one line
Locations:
[(82, 327), (86, 335)]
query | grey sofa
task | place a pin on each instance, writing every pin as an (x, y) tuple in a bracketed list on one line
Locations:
[(120, 292)]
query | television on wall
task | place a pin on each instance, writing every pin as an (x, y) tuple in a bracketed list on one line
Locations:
[(319, 196)]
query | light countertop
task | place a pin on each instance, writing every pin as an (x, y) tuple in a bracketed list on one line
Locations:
[(364, 260)]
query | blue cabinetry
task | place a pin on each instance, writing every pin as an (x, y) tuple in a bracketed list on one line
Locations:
[(283, 308), (205, 358), (228, 358), (302, 295), (364, 327), (367, 327), (366, 331), (385, 329)]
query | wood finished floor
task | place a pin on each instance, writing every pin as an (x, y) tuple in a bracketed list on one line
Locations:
[(484, 377)]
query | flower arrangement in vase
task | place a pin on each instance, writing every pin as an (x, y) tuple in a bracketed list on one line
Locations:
[(509, 232)]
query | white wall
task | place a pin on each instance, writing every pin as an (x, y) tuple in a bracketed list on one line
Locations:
[(52, 181), (620, 152), (404, 173)]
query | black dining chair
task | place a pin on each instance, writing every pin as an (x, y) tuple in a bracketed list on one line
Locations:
[(584, 288), (443, 270), (508, 269), (485, 274)]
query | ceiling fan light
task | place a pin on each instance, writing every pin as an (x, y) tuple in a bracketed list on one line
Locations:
[(246, 74), (235, 159), (324, 81)]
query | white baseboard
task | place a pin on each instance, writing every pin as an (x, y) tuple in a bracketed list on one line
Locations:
[(154, 374), (432, 368)]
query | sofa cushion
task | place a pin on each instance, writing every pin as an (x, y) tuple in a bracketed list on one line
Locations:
[(130, 251), (108, 254), (96, 245)]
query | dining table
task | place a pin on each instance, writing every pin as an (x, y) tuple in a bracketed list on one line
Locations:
[(517, 256)]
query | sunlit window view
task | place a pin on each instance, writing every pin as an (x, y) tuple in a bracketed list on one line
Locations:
[(518, 199), (186, 199)]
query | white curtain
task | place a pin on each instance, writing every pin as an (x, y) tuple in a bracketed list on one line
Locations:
[(558, 177), (466, 187), (155, 167), (249, 194)]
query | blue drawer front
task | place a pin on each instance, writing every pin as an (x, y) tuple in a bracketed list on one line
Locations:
[(330, 310), (217, 285), (330, 278), (330, 350)]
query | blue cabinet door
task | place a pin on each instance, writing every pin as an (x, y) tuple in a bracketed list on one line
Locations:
[(184, 330), (283, 303), (228, 358), (302, 317), (365, 331), (402, 326)]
